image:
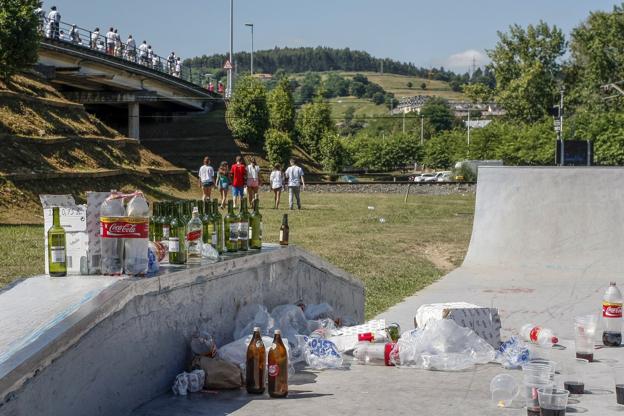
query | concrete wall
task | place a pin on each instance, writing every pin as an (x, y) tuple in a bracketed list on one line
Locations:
[(134, 351)]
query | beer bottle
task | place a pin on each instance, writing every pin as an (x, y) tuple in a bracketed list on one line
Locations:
[(278, 367), (57, 260), (230, 225), (177, 236), (217, 222), (284, 231), (243, 226), (256, 356), (255, 226)]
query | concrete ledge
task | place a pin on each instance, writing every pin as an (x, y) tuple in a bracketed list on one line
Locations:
[(124, 346)]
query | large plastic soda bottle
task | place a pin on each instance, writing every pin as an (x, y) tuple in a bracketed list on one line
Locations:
[(543, 337), (612, 316), (376, 354), (112, 214), (136, 240)]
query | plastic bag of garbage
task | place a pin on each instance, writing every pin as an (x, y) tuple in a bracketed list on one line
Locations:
[(320, 311), (153, 265), (196, 380), (236, 352), (292, 322), (209, 253), (323, 328), (321, 353), (251, 316), (180, 385), (512, 353), (443, 345), (203, 343)]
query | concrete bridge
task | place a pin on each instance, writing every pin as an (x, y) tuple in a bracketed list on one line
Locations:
[(111, 85)]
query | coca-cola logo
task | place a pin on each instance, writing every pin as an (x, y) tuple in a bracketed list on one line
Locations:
[(123, 228), (612, 310), (274, 370)]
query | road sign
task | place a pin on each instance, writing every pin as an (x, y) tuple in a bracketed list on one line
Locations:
[(227, 65), (557, 125)]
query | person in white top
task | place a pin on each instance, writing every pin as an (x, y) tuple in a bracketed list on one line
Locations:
[(277, 184), (118, 51), (253, 180), (143, 52), (110, 41), (294, 175), (178, 68), (206, 178), (94, 37), (131, 49), (54, 19)]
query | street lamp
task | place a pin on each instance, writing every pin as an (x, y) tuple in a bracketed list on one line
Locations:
[(252, 45), (230, 79)]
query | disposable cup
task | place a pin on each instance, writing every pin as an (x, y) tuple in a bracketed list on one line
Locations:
[(552, 401), (584, 336), (574, 376), (504, 389), (530, 385), (618, 373)]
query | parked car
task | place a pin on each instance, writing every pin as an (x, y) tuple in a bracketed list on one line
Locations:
[(348, 179), (446, 176), (426, 177)]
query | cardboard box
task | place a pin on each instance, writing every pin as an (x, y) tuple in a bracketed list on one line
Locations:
[(82, 228), (484, 321)]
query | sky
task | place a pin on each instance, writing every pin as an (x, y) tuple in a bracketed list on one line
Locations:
[(447, 33)]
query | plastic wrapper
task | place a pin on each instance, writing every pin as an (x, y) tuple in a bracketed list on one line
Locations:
[(153, 264), (180, 385), (209, 253), (512, 353), (251, 316), (320, 311), (323, 328), (442, 345), (321, 353), (292, 322), (203, 343), (189, 382)]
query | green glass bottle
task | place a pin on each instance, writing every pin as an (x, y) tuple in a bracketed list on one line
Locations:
[(150, 231), (166, 221), (177, 236), (243, 226), (230, 226), (158, 221), (207, 222), (255, 226), (57, 248), (218, 235)]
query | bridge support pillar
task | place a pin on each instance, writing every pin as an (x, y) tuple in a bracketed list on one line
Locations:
[(133, 121)]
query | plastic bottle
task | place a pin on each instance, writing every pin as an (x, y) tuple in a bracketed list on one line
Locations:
[(612, 316), (136, 241), (375, 354), (534, 334), (112, 214)]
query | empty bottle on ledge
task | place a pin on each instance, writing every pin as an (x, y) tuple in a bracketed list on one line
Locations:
[(57, 247), (218, 235), (255, 226), (112, 226), (243, 226), (230, 224), (136, 241), (177, 237), (194, 238), (284, 231)]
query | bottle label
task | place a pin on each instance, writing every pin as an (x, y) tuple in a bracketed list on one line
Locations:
[(234, 231), (124, 227), (57, 254), (214, 239), (611, 310), (261, 230), (274, 370), (534, 333), (165, 231), (366, 337), (174, 245), (251, 233), (281, 235), (193, 235), (243, 231)]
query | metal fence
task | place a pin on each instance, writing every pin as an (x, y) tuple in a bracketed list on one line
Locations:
[(135, 51)]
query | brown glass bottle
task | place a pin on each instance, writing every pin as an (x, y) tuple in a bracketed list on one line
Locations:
[(255, 366), (278, 367), (284, 231)]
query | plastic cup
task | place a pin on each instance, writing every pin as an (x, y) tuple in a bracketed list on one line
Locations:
[(552, 402), (530, 386), (504, 389), (539, 370), (584, 336), (574, 376), (618, 373)]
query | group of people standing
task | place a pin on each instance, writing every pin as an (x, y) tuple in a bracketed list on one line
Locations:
[(240, 178)]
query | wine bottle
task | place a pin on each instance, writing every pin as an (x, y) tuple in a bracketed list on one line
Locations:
[(57, 247), (255, 226), (284, 231), (230, 225)]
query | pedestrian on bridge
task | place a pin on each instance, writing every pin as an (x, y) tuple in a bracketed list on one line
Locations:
[(171, 63), (118, 44), (95, 35), (178, 68), (41, 15), (55, 22), (143, 53), (206, 178), (74, 35), (150, 56), (131, 49), (110, 41)]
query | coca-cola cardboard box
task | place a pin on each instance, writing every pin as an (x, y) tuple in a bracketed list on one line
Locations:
[(82, 229)]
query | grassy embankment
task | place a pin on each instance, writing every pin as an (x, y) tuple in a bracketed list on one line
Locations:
[(418, 242)]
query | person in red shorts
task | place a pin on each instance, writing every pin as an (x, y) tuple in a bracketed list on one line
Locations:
[(239, 178)]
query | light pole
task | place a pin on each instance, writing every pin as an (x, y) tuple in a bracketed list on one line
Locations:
[(422, 130), (252, 46), (230, 80)]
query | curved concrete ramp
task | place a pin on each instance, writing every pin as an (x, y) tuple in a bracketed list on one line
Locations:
[(545, 244)]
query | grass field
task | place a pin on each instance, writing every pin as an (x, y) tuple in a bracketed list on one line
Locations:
[(418, 242), (397, 84)]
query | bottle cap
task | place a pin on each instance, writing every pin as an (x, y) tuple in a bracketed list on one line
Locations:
[(256, 328), (277, 332), (195, 210)]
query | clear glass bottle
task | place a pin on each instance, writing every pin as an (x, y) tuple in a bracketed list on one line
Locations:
[(57, 247), (194, 231)]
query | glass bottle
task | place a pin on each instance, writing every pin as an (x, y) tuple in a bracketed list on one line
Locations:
[(255, 365), (284, 231), (166, 222), (243, 226), (177, 236), (218, 234), (278, 367), (255, 226), (57, 247), (206, 217), (230, 226), (194, 230)]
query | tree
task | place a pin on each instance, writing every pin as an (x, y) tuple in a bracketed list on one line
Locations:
[(409, 85), (478, 93), (527, 68), (332, 152), (247, 112), (357, 89), (282, 107), (378, 98), (278, 147), (335, 86), (19, 36), (438, 114), (423, 86), (455, 85), (313, 121)]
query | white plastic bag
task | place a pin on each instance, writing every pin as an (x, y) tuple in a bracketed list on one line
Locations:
[(292, 322), (196, 380), (443, 345), (320, 311), (251, 316), (321, 353), (236, 352)]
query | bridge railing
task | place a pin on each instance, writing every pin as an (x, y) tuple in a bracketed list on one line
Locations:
[(136, 53)]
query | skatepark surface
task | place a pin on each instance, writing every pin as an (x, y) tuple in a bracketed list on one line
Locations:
[(545, 244)]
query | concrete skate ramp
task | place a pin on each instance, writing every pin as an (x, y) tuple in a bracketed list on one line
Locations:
[(545, 244), (549, 219)]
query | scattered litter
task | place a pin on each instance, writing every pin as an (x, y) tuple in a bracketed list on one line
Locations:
[(203, 343), (382, 220), (512, 353), (371, 208), (504, 389), (321, 353), (220, 374), (189, 382)]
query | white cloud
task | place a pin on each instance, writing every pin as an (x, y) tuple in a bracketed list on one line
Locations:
[(462, 61)]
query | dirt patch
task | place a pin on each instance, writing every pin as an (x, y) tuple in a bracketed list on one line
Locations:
[(444, 257)]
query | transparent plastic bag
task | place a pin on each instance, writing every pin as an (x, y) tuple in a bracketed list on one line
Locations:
[(209, 253), (443, 345), (323, 328), (321, 353), (512, 353), (180, 385), (320, 311), (236, 352), (251, 316), (292, 322), (203, 343)]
